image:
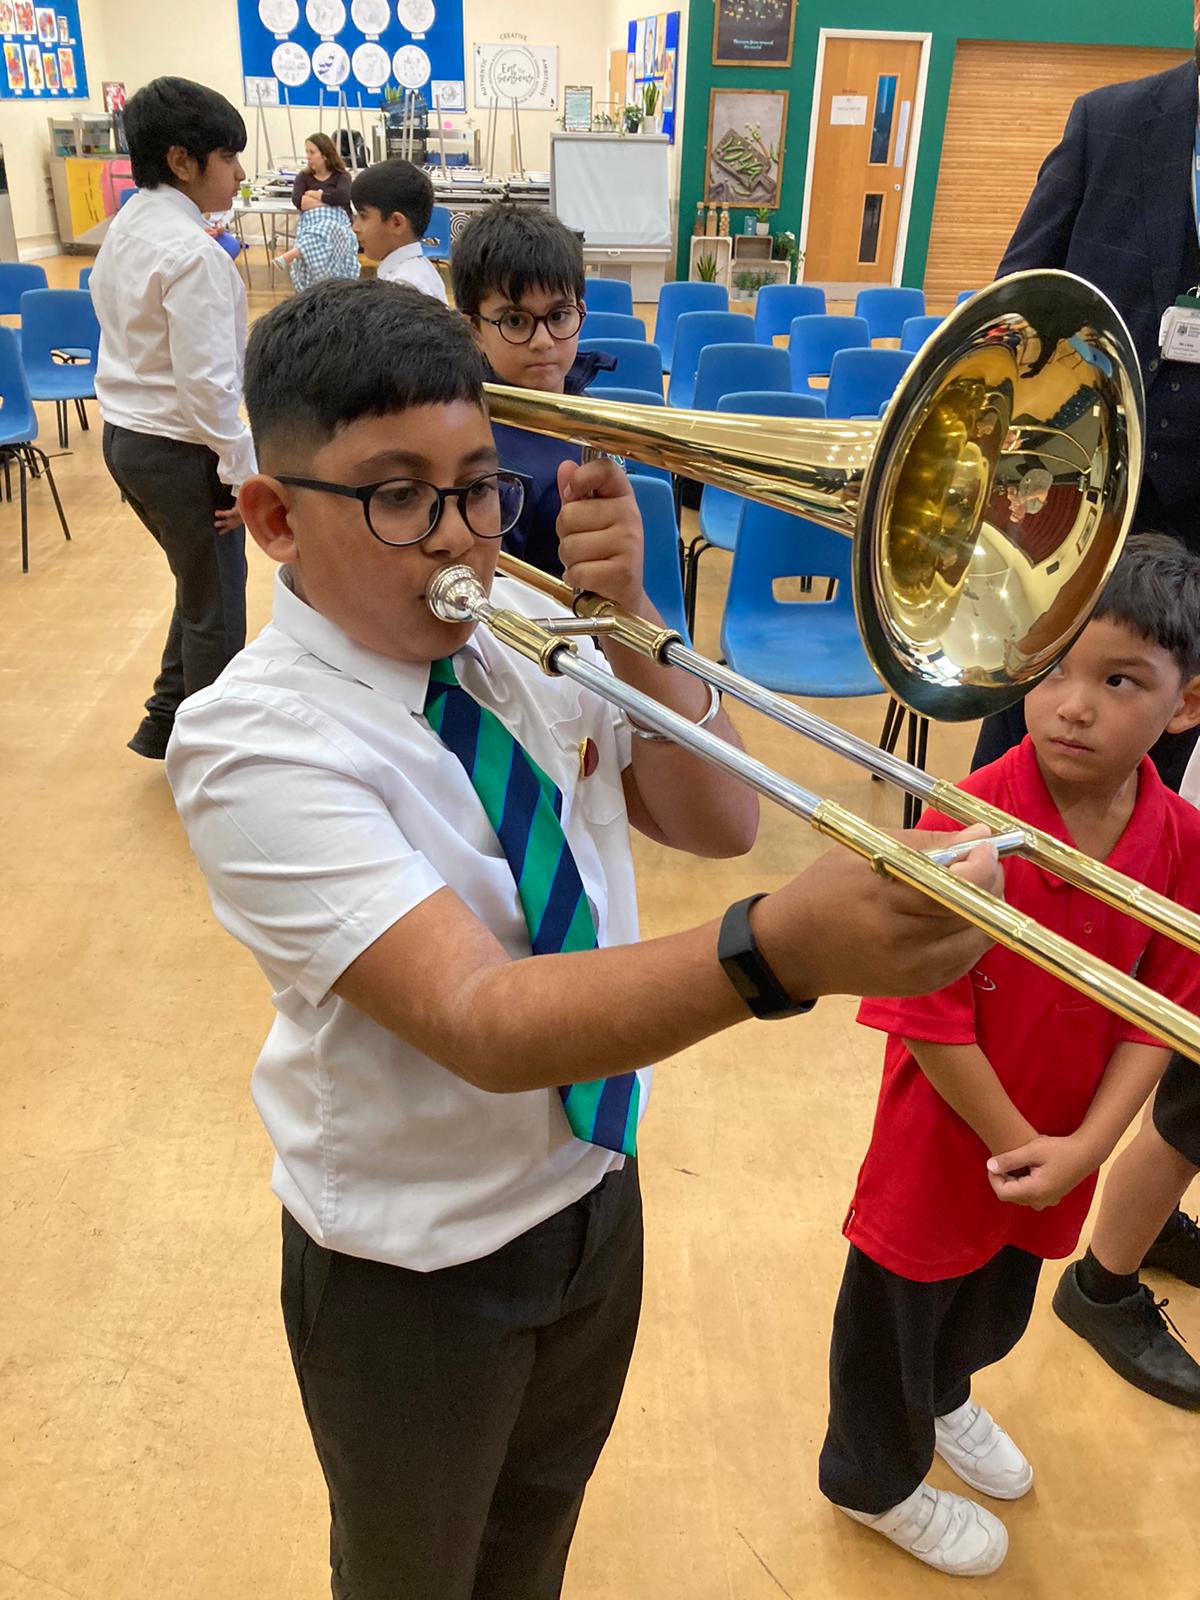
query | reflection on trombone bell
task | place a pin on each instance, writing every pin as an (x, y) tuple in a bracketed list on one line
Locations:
[(987, 509)]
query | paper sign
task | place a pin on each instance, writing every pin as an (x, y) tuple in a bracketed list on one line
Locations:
[(848, 111)]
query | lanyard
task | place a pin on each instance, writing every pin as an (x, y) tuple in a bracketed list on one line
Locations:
[(1196, 182)]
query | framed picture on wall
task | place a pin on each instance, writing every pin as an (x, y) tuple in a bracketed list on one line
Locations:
[(753, 33), (744, 165)]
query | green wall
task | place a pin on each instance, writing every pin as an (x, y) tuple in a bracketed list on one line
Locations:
[(1150, 22)]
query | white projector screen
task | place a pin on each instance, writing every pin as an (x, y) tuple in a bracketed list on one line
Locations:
[(613, 190)]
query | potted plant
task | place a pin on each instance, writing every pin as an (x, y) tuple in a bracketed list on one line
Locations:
[(749, 283), (651, 95), (631, 117), (783, 248), (762, 220), (393, 110), (706, 269)]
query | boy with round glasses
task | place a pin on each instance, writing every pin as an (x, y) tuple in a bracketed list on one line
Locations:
[(518, 276)]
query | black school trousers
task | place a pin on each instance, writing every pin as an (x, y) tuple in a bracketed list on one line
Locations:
[(904, 1353), (174, 490), (458, 1415)]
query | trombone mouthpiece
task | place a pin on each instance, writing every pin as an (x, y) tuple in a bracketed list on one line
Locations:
[(454, 593)]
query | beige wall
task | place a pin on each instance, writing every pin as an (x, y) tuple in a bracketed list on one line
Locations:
[(620, 14), (133, 41)]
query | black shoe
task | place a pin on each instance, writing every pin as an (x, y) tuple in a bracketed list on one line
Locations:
[(1177, 1250), (151, 739), (1134, 1338)]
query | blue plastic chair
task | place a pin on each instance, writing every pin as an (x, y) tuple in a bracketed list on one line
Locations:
[(808, 647), (54, 320), (779, 304), (16, 279), (661, 572), (436, 243), (18, 430), (126, 196), (862, 381), (721, 509), (916, 330), (965, 295), (694, 332), (674, 299), (637, 397), (814, 341), (726, 368), (639, 365), (887, 310), (608, 294), (613, 325), (85, 278)]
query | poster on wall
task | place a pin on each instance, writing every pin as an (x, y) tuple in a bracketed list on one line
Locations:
[(524, 73), (744, 164), (43, 51), (316, 51), (753, 33), (653, 57)]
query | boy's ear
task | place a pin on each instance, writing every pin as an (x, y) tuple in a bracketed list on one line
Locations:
[(265, 511), (1187, 714), (476, 330)]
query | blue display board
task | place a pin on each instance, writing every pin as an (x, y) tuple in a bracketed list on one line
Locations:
[(653, 57), (43, 51), (294, 49)]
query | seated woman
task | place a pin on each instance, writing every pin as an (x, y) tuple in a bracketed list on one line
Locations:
[(323, 182), (325, 247)]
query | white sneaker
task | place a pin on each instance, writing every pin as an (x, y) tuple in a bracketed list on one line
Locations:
[(982, 1454), (945, 1531)]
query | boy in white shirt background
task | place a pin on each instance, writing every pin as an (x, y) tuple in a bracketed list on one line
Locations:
[(393, 202), (172, 311)]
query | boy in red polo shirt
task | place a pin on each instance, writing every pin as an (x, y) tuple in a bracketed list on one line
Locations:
[(1004, 1093)]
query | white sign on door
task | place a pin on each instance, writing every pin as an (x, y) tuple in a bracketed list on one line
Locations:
[(848, 111), (526, 73)]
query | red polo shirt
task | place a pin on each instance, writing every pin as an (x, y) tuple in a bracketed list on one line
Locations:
[(923, 1207)]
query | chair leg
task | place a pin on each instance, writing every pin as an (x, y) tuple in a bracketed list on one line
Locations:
[(83, 416), (691, 580), (58, 505), (887, 735), (918, 747), (24, 517), (8, 477)]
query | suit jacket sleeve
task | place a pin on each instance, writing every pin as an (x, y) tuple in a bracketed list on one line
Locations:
[(1043, 236)]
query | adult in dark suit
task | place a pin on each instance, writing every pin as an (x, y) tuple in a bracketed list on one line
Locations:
[(1115, 203)]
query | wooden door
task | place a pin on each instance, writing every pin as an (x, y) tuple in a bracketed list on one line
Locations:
[(1008, 107), (861, 157)]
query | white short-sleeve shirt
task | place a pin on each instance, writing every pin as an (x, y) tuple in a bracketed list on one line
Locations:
[(322, 808), (409, 264)]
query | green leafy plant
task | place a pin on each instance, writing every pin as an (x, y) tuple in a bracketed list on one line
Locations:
[(706, 269), (650, 98), (751, 282), (783, 248), (391, 95), (762, 214), (632, 117)]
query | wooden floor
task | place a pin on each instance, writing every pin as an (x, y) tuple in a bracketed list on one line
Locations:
[(153, 1443)]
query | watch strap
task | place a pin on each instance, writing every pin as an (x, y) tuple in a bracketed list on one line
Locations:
[(747, 969)]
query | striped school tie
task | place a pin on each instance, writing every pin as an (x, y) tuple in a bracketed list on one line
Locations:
[(524, 806)]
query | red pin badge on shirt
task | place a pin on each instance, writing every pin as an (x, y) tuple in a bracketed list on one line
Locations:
[(589, 758)]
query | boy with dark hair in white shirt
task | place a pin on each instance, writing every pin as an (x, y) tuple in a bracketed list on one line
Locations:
[(393, 202), (424, 842), (172, 313)]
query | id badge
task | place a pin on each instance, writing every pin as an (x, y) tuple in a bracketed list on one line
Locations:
[(1179, 334)]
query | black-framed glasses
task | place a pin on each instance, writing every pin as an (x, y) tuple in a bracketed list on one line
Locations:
[(519, 327), (402, 511)]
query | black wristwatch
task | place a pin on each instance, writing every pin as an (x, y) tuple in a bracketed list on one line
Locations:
[(746, 968)]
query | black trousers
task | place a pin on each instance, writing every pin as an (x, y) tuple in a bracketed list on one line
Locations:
[(174, 489), (904, 1353), (1176, 1110), (1173, 751), (458, 1415)]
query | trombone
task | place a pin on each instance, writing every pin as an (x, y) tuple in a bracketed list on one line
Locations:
[(987, 509)]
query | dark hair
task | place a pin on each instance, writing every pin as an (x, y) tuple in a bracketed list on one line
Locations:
[(511, 249), (328, 149), (176, 111), (392, 186), (1155, 591), (344, 350)]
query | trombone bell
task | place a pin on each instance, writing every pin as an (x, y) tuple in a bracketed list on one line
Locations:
[(987, 508)]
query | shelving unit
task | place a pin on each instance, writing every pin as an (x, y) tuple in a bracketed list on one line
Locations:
[(734, 253)]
